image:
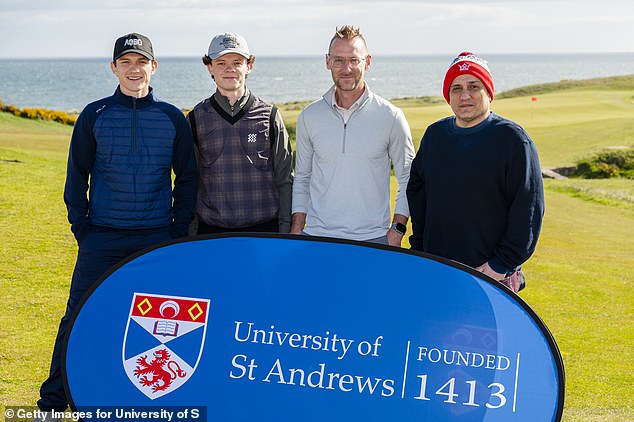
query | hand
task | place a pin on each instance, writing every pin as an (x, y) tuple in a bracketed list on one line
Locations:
[(298, 221), (394, 238), (515, 281), (486, 269)]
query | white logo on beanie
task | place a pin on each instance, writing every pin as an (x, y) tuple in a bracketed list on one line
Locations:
[(470, 58)]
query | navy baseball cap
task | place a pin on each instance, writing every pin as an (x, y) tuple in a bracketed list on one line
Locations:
[(133, 43)]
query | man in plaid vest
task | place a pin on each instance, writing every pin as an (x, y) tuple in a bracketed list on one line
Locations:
[(244, 153)]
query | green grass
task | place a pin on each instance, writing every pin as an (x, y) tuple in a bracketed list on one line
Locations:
[(579, 280), (36, 252), (581, 286), (566, 125), (614, 192)]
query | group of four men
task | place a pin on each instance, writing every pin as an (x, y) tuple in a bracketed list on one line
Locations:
[(473, 190)]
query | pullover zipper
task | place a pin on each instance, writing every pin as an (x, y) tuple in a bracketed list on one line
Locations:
[(134, 125), (343, 147), (345, 124), (134, 147)]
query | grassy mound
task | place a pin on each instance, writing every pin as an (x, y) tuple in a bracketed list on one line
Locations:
[(611, 83)]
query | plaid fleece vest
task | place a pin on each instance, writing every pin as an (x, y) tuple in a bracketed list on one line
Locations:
[(236, 185)]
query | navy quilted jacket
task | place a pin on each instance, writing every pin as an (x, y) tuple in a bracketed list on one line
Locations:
[(124, 149)]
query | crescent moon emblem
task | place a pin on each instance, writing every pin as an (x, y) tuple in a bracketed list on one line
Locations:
[(169, 304)]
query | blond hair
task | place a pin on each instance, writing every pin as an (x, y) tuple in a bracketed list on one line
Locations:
[(347, 32)]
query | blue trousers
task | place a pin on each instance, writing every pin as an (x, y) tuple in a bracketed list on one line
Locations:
[(99, 250)]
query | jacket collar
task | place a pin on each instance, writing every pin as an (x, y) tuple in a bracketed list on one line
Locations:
[(223, 102), (131, 102), (365, 97)]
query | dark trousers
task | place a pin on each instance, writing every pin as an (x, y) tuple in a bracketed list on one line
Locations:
[(271, 226), (99, 250)]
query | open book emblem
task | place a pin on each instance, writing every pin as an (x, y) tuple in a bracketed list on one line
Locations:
[(163, 341), (166, 328)]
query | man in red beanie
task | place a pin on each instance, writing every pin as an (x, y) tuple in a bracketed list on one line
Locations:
[(475, 191)]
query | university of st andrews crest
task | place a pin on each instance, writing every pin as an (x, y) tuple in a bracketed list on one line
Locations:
[(163, 341)]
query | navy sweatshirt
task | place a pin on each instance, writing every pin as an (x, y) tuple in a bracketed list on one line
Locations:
[(476, 194)]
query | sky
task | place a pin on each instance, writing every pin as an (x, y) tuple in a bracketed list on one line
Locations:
[(87, 28)]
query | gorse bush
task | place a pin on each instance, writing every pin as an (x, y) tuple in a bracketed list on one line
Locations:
[(39, 114), (607, 163)]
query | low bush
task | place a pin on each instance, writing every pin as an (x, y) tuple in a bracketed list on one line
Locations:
[(39, 114), (608, 163)]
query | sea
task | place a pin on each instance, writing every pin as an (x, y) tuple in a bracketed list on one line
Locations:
[(69, 84)]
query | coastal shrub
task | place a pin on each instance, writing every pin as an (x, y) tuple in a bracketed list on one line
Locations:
[(608, 163), (39, 114), (290, 128)]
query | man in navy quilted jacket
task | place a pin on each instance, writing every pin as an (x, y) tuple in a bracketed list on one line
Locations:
[(124, 148)]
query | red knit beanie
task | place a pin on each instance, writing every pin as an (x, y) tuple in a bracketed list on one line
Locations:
[(468, 63)]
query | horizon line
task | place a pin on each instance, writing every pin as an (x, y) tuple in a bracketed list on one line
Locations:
[(311, 56)]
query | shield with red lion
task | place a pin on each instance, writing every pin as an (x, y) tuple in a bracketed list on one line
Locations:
[(163, 341)]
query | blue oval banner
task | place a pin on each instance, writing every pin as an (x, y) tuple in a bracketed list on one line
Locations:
[(273, 327)]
